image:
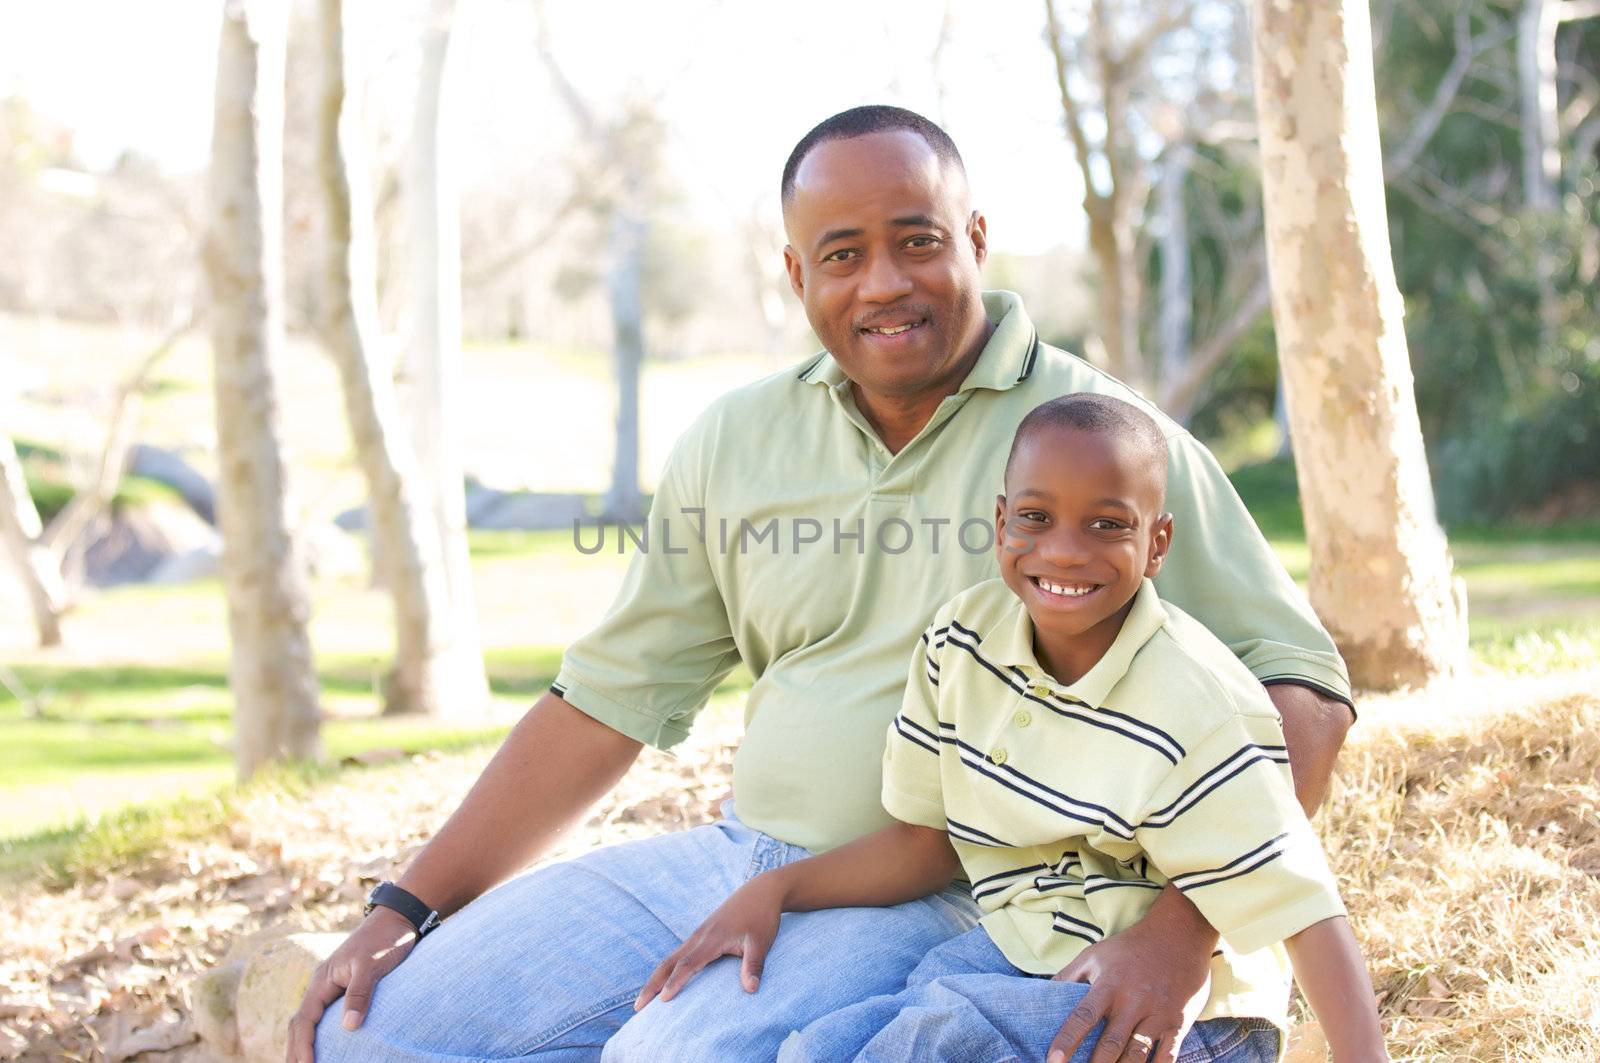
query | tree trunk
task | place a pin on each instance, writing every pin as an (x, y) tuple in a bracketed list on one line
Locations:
[(37, 566), (624, 501), (1380, 566), (1540, 127), (1177, 290), (270, 670), (434, 355), (427, 663)]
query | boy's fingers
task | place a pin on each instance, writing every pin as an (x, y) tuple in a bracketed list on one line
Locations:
[(652, 985), (755, 958)]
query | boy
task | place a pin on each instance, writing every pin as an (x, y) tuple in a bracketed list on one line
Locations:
[(1071, 745)]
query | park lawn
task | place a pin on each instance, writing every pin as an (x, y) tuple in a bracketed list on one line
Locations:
[(146, 722)]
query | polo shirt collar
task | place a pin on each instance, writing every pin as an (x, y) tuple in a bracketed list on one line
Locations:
[(1012, 644), (1006, 361)]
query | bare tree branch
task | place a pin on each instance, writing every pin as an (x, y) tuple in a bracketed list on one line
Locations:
[(1179, 395), (1069, 105), (1468, 48)]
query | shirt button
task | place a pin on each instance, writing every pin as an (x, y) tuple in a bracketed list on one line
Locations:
[(998, 756), (1039, 690), (1023, 718)]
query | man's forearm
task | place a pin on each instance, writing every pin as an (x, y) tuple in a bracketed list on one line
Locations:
[(1314, 726), (554, 764)]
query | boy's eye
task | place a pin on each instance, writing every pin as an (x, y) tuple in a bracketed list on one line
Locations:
[(1106, 524), (1034, 515)]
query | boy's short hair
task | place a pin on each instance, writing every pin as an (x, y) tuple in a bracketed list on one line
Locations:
[(1089, 412)]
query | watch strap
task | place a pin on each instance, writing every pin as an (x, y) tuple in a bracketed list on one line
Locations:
[(419, 915)]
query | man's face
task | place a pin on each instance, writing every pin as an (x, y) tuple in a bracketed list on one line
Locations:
[(884, 254), (1079, 527)]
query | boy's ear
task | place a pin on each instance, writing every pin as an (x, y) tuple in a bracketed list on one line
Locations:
[(1160, 542), (999, 525)]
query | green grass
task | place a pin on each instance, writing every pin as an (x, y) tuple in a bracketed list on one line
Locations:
[(1533, 591), (155, 736)]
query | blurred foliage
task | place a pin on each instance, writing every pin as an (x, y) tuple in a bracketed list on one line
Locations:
[(1510, 406)]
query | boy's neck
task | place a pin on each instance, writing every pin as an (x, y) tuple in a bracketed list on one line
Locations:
[(1068, 658)]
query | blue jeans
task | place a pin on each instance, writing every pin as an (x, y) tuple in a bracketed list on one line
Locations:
[(965, 1001), (548, 965)]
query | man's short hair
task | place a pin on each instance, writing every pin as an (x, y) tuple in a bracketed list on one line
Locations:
[(862, 121), (1089, 412)]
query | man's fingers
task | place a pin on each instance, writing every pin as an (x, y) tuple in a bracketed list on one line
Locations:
[(322, 991), (1167, 1047), (357, 996), (1118, 1042), (1080, 1023), (1141, 1045)]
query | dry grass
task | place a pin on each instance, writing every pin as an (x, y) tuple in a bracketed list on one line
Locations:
[(1465, 827), (1465, 830)]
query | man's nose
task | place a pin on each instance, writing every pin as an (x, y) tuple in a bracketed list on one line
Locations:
[(884, 281)]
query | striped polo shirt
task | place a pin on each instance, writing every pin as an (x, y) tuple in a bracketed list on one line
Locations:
[(1071, 805)]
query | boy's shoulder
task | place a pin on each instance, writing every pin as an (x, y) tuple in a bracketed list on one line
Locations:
[(1191, 679)]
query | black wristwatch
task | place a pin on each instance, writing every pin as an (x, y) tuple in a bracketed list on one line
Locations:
[(419, 915)]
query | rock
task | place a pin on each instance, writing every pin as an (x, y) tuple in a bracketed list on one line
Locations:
[(212, 998), (1306, 1044), (241, 1008), (524, 510), (203, 562), (166, 467), (273, 983), (132, 544)]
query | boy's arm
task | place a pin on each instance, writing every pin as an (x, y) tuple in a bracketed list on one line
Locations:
[(899, 863), (1333, 977)]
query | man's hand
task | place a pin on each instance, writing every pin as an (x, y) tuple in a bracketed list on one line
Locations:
[(372, 950), (1147, 982), (745, 925)]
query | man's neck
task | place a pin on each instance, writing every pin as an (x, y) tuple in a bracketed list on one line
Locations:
[(898, 418)]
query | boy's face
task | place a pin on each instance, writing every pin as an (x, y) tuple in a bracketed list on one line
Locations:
[(1079, 528)]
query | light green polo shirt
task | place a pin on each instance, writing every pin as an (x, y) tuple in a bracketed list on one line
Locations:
[(1071, 806), (785, 535)]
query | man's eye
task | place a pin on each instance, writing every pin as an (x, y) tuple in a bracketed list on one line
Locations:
[(922, 243), (840, 256)]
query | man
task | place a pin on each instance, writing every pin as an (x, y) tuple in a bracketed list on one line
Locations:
[(807, 525)]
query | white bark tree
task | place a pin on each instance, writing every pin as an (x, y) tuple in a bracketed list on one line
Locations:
[(37, 566), (274, 685), (433, 366), (431, 674), (1380, 567)]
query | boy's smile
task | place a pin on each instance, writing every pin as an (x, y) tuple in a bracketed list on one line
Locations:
[(1078, 530)]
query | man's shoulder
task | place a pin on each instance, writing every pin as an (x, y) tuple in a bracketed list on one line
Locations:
[(1189, 677), (761, 404), (1058, 372), (977, 609)]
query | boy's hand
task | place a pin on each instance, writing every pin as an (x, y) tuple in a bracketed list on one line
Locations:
[(745, 925)]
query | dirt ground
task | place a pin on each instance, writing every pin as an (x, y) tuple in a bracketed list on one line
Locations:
[(1464, 826)]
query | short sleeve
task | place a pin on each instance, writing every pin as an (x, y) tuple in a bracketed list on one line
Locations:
[(1225, 828), (1222, 572), (911, 788), (666, 642)]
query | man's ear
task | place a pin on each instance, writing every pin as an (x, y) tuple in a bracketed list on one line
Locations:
[(791, 266), (1160, 542), (978, 233)]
